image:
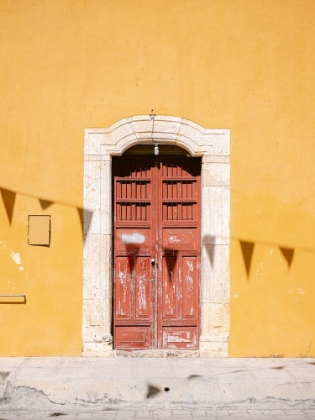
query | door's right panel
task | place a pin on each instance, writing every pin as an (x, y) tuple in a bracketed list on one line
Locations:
[(179, 272)]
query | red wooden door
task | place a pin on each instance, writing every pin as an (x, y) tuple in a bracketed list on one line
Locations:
[(156, 252)]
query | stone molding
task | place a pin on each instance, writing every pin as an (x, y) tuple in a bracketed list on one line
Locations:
[(213, 145)]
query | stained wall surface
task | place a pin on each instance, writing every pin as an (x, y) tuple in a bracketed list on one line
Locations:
[(243, 65)]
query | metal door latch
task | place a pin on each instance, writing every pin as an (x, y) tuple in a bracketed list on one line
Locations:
[(153, 263)]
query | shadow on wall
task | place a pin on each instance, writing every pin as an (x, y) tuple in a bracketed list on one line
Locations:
[(8, 198), (85, 220), (288, 254), (45, 203), (209, 243), (247, 249)]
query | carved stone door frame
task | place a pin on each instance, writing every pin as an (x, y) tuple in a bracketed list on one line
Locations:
[(213, 145)]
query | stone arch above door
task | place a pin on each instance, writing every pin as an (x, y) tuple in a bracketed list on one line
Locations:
[(213, 146)]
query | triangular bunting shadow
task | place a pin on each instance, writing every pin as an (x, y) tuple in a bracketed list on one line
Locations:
[(132, 255), (45, 203), (170, 259), (85, 220), (80, 212), (210, 250), (8, 198), (247, 251), (288, 254), (209, 243)]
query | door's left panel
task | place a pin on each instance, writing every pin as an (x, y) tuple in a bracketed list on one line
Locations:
[(134, 291)]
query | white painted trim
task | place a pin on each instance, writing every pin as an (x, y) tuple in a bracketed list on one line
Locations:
[(213, 145)]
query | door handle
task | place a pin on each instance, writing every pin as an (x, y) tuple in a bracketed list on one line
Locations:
[(153, 263)]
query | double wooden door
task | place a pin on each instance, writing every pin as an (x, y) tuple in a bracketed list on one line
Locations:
[(156, 252)]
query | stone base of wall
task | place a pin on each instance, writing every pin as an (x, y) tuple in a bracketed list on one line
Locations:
[(213, 346), (99, 349)]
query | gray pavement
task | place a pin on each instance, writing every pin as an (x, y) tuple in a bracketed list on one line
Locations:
[(163, 414), (143, 387)]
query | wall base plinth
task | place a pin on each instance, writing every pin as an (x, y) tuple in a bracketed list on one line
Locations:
[(157, 353), (98, 349), (213, 346)]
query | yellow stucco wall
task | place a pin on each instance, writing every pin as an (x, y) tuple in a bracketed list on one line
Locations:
[(240, 64)]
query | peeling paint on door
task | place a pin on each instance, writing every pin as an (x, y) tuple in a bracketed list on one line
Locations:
[(157, 252)]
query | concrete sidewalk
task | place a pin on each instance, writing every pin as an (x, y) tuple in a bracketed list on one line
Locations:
[(122, 383)]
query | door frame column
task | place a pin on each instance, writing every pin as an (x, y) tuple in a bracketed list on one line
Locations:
[(213, 145)]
